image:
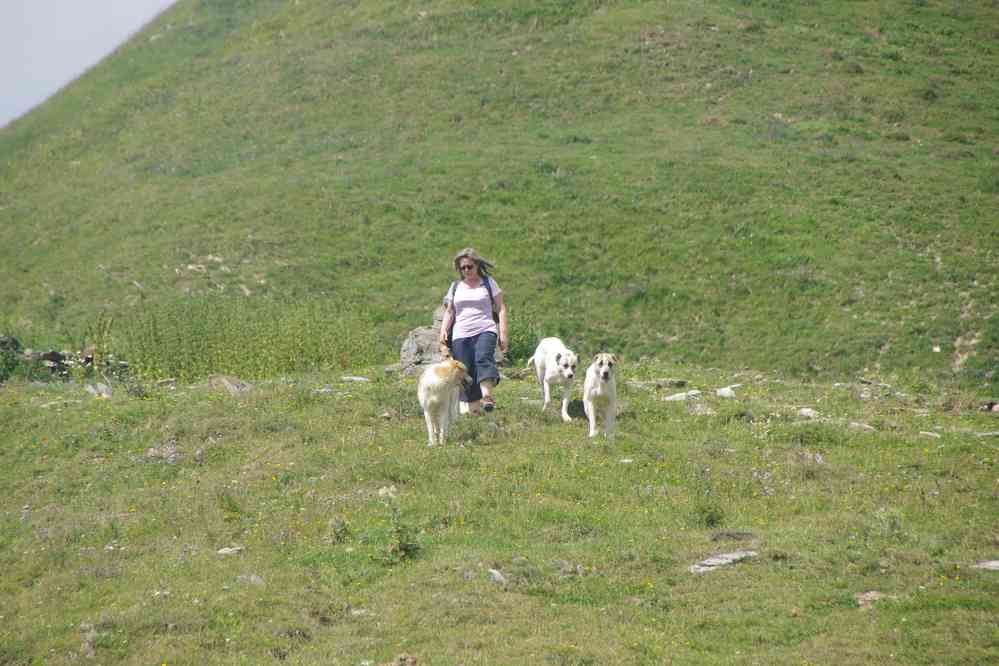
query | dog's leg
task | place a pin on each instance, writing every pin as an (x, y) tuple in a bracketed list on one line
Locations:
[(548, 393), (431, 430), (566, 395), (445, 422), (591, 414), (610, 422)]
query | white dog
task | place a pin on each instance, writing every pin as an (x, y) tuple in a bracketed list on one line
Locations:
[(600, 393), (438, 392), (554, 363)]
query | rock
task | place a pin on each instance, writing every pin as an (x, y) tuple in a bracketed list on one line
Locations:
[(402, 660), (89, 636), (354, 379), (231, 385), (725, 559), (566, 568), (725, 392), (251, 579), (988, 565), (808, 413), (422, 347), (233, 550), (863, 427), (809, 458), (988, 434), (677, 397), (99, 390), (934, 435), (497, 577), (388, 491), (167, 452), (866, 599)]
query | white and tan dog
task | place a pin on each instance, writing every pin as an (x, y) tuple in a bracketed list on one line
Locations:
[(555, 363), (438, 392), (600, 394)]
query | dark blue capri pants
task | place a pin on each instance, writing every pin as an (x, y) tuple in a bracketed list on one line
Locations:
[(478, 353)]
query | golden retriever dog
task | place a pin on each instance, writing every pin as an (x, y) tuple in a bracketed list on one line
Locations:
[(600, 394), (438, 392)]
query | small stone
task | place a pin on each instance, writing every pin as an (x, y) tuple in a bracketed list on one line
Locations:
[(234, 550), (677, 397), (99, 390), (725, 559), (231, 385), (808, 413), (866, 599), (934, 435), (497, 577), (988, 565), (251, 579), (856, 425), (354, 379)]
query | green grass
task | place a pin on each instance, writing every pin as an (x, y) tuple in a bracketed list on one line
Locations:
[(808, 188), (360, 543), (798, 197)]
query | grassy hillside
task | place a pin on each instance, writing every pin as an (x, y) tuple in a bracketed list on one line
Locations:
[(808, 187), (355, 543)]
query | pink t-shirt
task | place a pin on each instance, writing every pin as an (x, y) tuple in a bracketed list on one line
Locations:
[(472, 309)]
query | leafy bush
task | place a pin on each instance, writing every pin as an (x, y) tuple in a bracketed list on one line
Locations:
[(252, 338), (8, 361)]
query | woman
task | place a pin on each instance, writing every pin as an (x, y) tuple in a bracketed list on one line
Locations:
[(474, 317)]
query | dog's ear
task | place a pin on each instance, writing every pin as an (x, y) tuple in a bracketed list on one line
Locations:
[(558, 357), (615, 359)]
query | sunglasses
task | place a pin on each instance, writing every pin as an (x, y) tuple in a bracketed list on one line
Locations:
[(467, 267)]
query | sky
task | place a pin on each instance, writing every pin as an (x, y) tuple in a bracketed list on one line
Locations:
[(45, 44)]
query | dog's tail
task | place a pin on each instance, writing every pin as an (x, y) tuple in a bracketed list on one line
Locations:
[(530, 362)]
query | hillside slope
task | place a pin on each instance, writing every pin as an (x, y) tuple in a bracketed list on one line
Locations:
[(806, 188)]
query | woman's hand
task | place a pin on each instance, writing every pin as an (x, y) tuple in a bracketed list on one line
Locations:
[(503, 344)]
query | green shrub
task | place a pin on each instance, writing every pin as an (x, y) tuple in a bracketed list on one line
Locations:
[(252, 338)]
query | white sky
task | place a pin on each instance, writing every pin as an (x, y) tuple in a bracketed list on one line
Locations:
[(45, 44)]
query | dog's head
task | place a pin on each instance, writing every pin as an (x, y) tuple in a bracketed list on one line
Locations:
[(603, 365), (452, 371), (567, 362)]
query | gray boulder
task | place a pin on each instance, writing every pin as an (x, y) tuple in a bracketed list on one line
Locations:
[(422, 347)]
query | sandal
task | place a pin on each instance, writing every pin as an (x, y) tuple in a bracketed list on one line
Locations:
[(488, 403)]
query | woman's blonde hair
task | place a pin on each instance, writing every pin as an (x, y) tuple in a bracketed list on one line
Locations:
[(469, 253)]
